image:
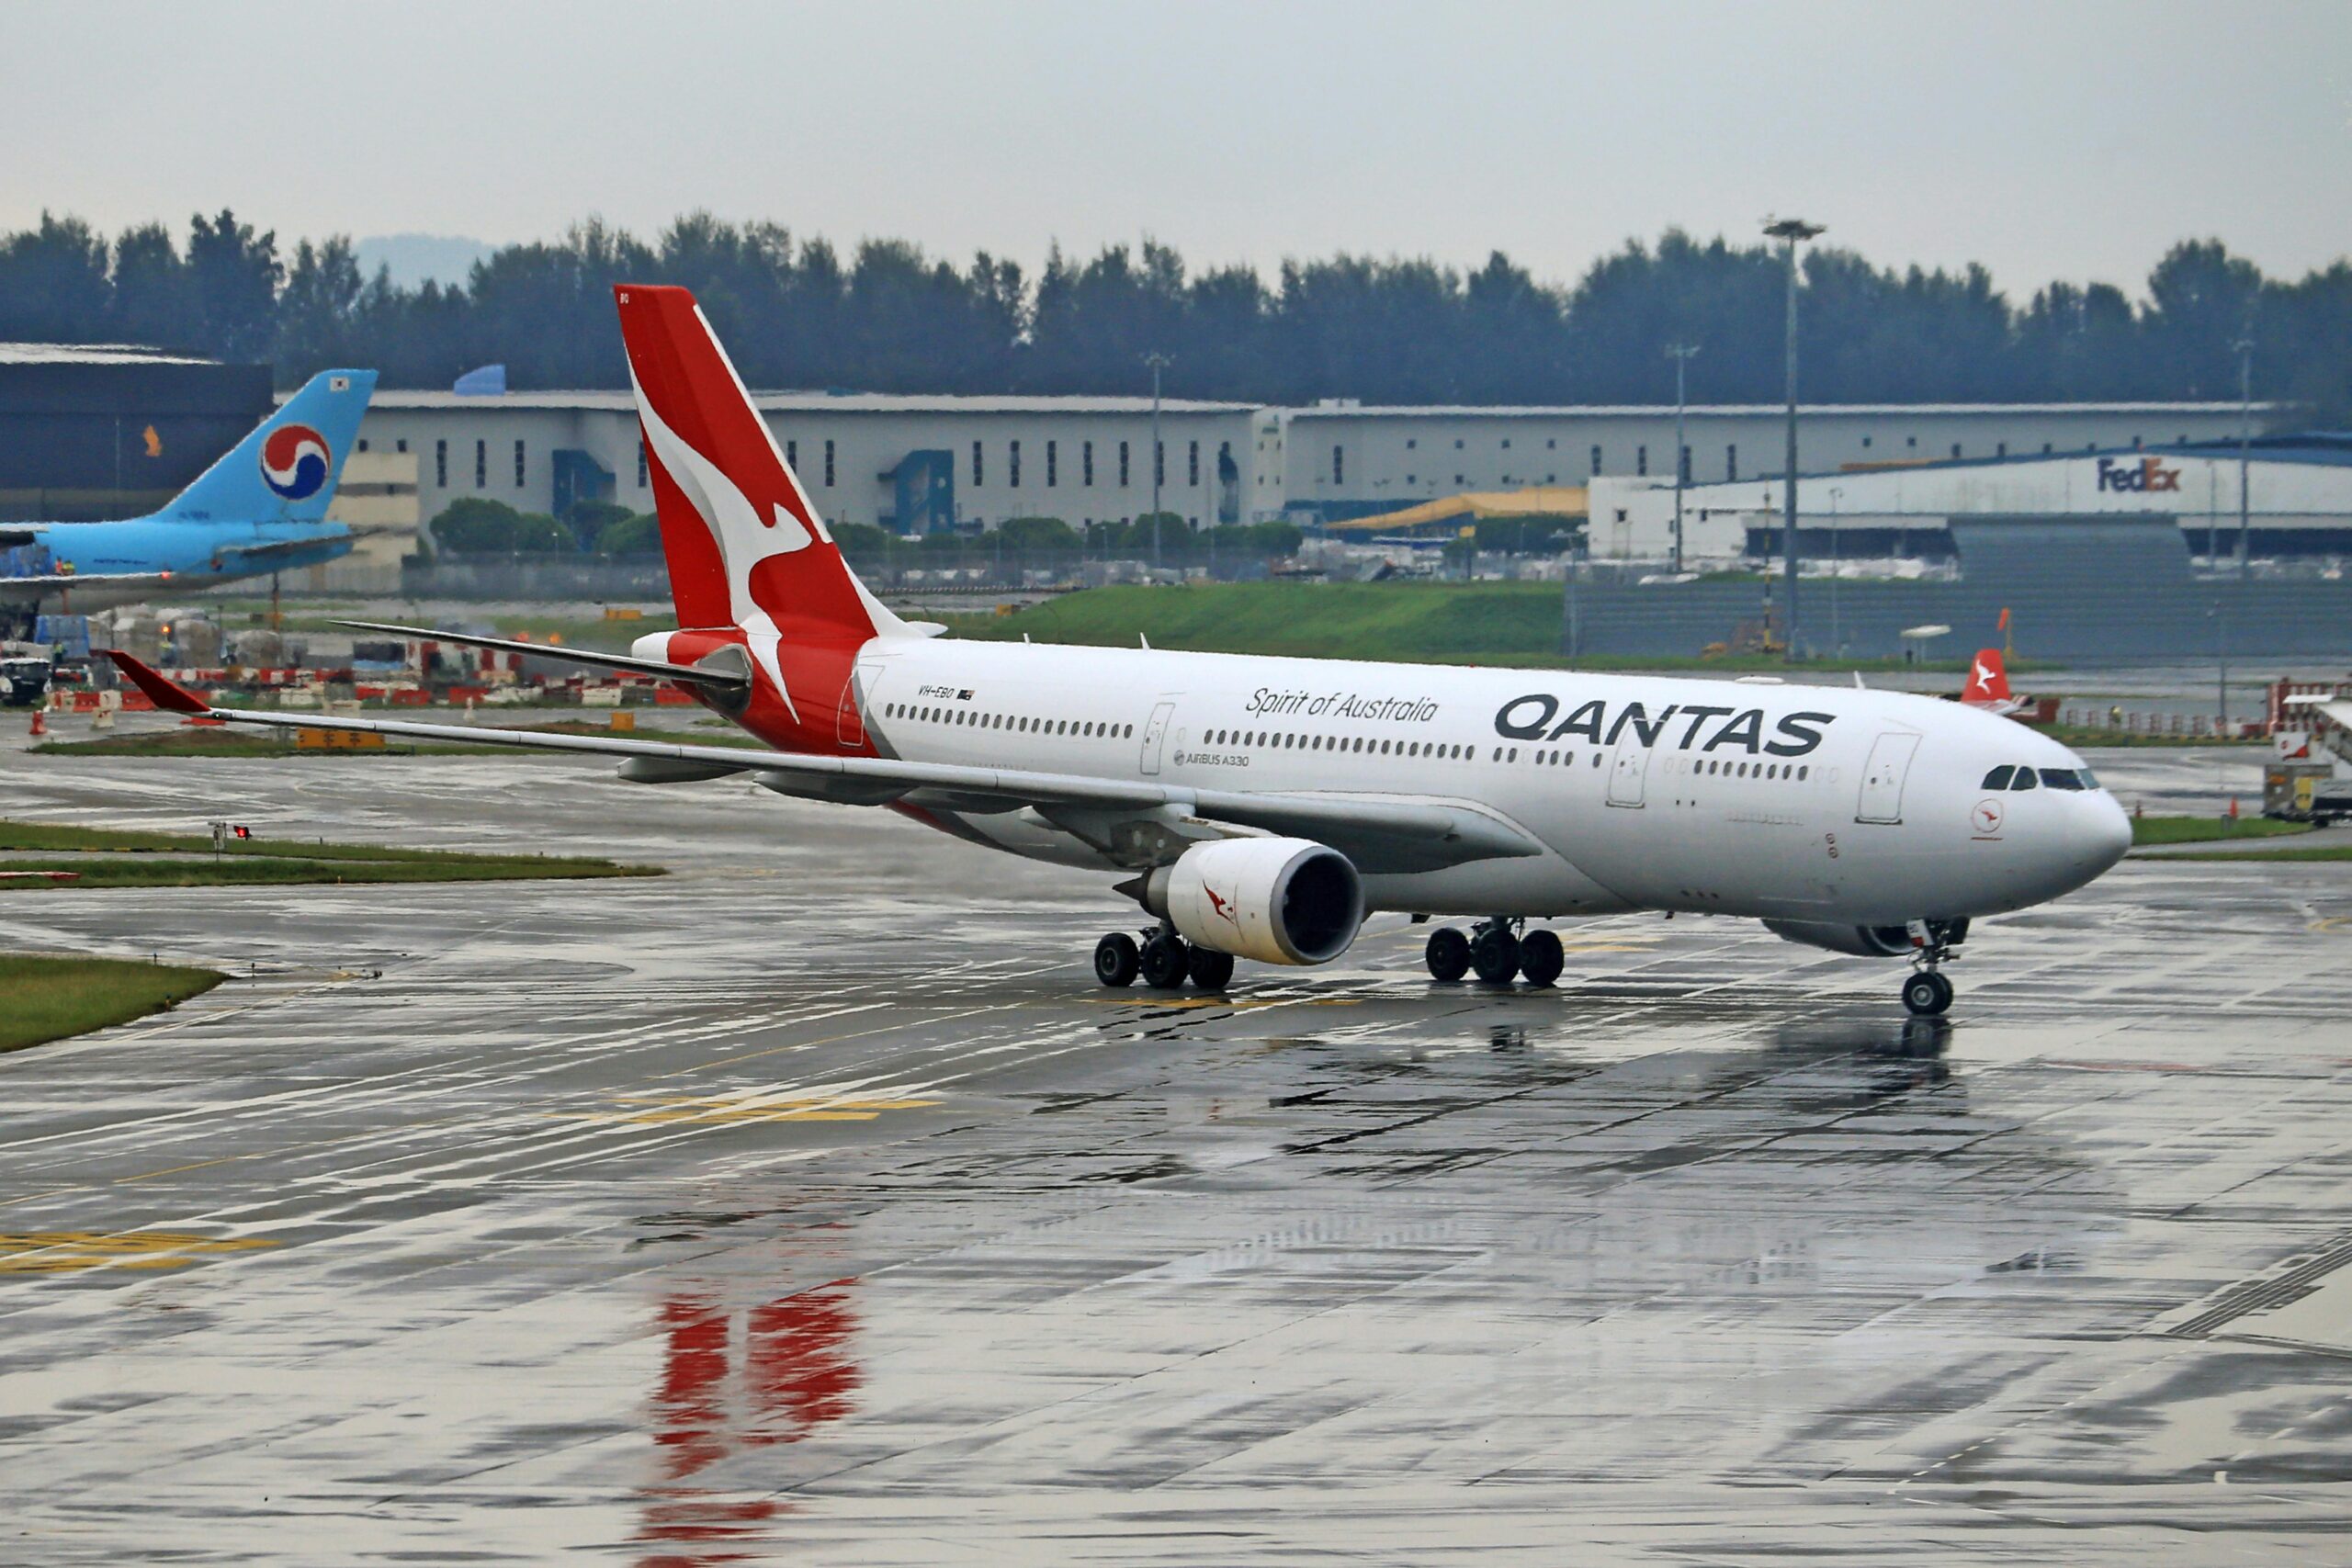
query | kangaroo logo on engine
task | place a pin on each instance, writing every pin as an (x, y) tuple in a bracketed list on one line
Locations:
[(1530, 718)]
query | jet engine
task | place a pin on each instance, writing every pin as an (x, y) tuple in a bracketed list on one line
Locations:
[(1276, 900), (1865, 942)]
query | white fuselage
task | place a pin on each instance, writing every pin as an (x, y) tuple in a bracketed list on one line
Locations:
[(1788, 802)]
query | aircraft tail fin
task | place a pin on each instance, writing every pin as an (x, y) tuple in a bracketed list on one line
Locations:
[(744, 543), (1988, 681), (286, 470)]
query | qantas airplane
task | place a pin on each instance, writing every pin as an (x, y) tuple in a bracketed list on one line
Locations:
[(1989, 685), (1262, 808)]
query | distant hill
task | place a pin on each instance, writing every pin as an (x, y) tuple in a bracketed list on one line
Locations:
[(415, 259)]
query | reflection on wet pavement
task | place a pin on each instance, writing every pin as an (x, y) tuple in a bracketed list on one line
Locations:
[(808, 1206)]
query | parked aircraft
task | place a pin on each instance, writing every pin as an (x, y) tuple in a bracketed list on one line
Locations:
[(259, 509), (1261, 809), (1989, 685)]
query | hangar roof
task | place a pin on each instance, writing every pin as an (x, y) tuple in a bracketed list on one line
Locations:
[(92, 354), (1804, 411), (810, 402)]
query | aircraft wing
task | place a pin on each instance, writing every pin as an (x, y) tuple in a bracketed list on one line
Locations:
[(25, 589), (722, 675), (1132, 818)]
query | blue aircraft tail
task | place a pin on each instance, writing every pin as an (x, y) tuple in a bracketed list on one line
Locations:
[(286, 470)]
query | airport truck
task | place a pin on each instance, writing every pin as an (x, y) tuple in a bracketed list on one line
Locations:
[(2304, 792)]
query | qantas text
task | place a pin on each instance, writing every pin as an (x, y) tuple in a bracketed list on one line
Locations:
[(1677, 723)]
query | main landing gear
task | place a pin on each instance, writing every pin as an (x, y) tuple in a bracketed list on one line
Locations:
[(1163, 961), (1927, 993), (1496, 951)]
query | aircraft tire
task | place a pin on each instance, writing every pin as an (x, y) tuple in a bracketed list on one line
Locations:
[(1927, 993), (1210, 970), (1495, 956), (1448, 955), (1540, 958), (1164, 962), (1115, 961)]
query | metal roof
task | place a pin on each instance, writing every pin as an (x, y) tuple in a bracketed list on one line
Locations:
[(92, 354), (806, 403), (1746, 410)]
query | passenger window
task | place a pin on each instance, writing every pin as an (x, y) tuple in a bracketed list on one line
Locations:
[(1999, 777), (2024, 780), (2061, 778)]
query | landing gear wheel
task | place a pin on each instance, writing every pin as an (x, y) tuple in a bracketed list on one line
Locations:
[(1163, 961), (1114, 960), (1493, 953), (1540, 958), (1927, 993), (1210, 970), (1448, 955)]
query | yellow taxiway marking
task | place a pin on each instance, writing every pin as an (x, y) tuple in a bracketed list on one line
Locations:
[(57, 1252), (2331, 923), (659, 1109)]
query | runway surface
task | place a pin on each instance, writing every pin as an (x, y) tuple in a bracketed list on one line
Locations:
[(810, 1206)]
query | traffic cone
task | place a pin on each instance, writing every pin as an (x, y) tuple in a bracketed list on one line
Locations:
[(41, 722)]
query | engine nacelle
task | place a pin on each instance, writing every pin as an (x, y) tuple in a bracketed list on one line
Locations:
[(1276, 900), (1865, 942)]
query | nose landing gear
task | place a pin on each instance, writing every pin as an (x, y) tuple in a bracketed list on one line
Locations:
[(1927, 993)]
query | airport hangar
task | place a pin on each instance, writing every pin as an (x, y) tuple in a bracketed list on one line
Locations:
[(2298, 499), (917, 464)]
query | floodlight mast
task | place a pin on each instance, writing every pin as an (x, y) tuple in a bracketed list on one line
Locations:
[(1792, 233), (1158, 362), (1680, 353)]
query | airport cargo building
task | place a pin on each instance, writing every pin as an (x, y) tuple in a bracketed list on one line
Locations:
[(920, 464)]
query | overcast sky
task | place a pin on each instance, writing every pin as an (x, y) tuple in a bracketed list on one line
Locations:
[(2045, 139)]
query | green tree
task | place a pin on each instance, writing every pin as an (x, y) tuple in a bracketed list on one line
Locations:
[(54, 285), (233, 276), (479, 526)]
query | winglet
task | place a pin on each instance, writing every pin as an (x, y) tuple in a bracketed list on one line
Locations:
[(161, 692)]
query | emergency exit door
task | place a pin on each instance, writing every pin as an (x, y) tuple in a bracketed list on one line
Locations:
[(1154, 733)]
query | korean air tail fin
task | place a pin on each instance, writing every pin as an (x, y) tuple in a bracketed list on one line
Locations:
[(1988, 682), (286, 470), (744, 543)]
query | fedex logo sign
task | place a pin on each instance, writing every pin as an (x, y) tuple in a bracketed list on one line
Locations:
[(2147, 474)]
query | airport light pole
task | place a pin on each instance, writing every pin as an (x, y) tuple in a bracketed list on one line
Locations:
[(1681, 354), (1837, 494), (1158, 362), (2244, 346), (1791, 232)]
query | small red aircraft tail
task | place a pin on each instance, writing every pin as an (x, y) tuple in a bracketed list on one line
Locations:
[(1988, 682)]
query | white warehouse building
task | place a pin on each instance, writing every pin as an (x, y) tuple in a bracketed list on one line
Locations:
[(2298, 502), (919, 463)]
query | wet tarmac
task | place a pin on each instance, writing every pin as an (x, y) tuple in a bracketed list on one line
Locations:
[(810, 1206)]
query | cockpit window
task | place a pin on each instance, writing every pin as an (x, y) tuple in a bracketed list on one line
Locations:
[(1999, 777), (2089, 781), (2023, 781), (2061, 778)]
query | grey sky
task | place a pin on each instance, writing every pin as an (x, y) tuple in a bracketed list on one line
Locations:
[(2045, 139)]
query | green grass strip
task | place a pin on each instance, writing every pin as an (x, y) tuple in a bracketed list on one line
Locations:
[(109, 857), (2208, 830), (52, 997)]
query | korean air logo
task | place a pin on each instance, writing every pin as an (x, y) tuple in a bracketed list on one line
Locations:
[(294, 461)]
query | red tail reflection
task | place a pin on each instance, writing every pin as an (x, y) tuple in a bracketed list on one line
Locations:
[(732, 1382)]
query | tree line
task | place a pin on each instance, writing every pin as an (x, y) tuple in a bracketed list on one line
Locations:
[(889, 316)]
